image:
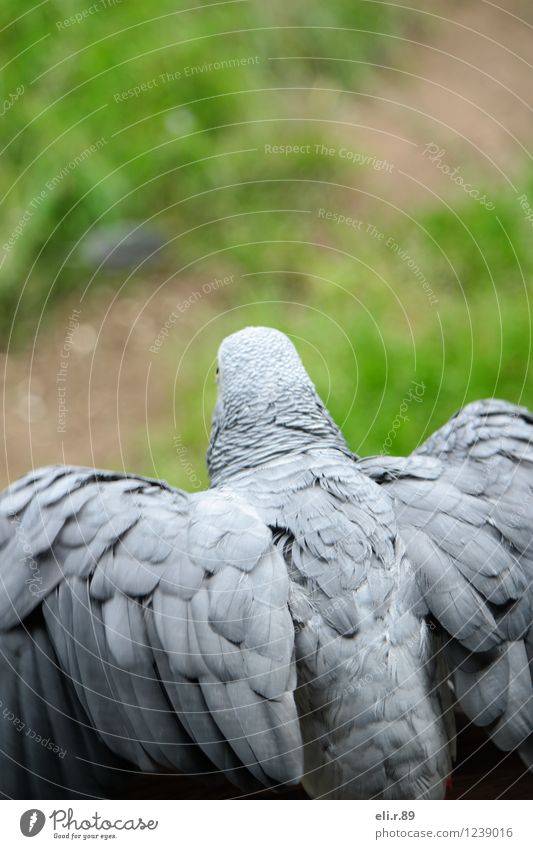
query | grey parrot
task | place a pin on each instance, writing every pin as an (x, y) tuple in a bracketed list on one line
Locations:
[(310, 618)]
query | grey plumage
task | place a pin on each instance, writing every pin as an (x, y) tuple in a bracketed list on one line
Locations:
[(159, 555), (467, 519), (297, 621)]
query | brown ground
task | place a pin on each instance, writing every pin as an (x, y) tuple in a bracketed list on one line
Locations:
[(105, 385), (468, 89)]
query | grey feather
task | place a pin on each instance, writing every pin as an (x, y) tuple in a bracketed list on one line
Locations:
[(294, 621), (468, 523)]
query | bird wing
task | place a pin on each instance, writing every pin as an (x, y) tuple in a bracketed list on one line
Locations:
[(167, 613), (464, 505)]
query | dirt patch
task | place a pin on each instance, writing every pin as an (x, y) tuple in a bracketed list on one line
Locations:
[(82, 393), (465, 86)]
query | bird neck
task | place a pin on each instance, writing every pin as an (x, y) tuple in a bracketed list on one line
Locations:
[(252, 438)]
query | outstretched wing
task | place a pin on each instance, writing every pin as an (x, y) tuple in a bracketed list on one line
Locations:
[(167, 613), (464, 503)]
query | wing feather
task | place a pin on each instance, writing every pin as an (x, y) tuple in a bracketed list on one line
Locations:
[(464, 504), (168, 615)]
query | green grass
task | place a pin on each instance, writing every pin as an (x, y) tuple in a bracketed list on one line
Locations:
[(169, 151), (368, 333), (188, 154)]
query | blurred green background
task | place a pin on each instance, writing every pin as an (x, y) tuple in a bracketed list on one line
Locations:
[(149, 151)]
